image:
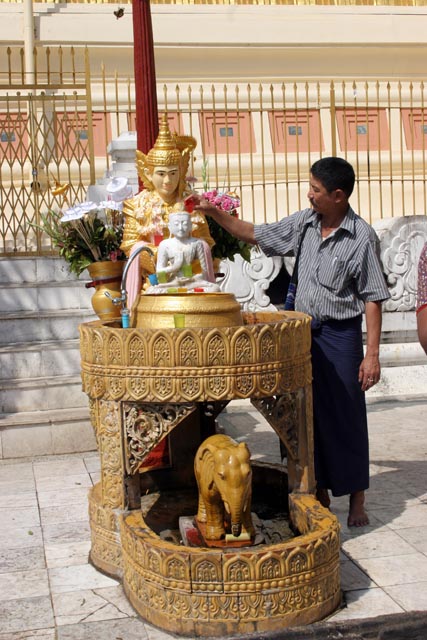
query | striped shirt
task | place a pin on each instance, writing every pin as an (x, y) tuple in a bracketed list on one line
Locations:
[(336, 274)]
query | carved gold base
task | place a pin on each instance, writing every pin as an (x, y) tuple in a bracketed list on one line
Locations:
[(148, 384), (106, 548), (199, 592)]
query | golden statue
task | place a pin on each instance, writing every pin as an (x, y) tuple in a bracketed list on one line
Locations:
[(224, 478), (163, 173)]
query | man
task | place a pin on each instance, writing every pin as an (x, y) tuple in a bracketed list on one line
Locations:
[(339, 278)]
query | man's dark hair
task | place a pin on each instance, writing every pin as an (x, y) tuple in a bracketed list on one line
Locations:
[(334, 173)]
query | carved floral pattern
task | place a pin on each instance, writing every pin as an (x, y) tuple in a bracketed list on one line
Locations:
[(111, 454), (175, 587), (282, 414), (146, 425), (137, 350), (261, 357), (250, 281), (401, 242)]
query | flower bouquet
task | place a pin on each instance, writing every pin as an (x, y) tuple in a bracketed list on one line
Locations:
[(86, 233), (226, 245)]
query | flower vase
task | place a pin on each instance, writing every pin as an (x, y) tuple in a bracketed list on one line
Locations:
[(106, 277)]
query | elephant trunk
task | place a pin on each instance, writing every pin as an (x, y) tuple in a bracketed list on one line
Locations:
[(234, 510)]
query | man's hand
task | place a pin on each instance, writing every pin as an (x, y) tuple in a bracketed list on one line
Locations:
[(369, 371)]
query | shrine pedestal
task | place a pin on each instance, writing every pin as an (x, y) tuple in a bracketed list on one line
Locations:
[(148, 386)]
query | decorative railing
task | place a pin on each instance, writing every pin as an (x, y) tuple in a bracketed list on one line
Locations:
[(258, 139)]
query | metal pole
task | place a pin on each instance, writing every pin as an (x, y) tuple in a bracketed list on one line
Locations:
[(28, 28)]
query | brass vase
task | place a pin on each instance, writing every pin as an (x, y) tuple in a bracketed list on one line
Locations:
[(106, 276)]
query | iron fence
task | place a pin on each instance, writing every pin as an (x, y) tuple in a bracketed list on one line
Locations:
[(256, 139)]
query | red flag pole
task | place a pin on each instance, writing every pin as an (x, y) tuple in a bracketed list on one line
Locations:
[(147, 120)]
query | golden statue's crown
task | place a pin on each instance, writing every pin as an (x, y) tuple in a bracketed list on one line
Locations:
[(169, 149)]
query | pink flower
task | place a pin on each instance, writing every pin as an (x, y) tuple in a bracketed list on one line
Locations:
[(225, 201)]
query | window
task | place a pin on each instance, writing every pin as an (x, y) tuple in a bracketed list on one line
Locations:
[(14, 140), (363, 129), (174, 121), (72, 134), (227, 132), (415, 128), (295, 130)]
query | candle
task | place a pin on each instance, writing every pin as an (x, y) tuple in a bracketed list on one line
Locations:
[(179, 320), (187, 270)]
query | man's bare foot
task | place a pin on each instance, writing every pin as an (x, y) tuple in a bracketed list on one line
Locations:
[(323, 497), (357, 516)]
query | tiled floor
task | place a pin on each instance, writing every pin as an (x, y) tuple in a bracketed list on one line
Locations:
[(48, 590)]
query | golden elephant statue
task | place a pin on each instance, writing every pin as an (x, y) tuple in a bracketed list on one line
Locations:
[(224, 479)]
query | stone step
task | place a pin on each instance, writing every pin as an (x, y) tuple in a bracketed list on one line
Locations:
[(38, 433), (49, 296), (400, 383), (41, 326), (35, 359), (41, 394), (37, 270), (403, 354)]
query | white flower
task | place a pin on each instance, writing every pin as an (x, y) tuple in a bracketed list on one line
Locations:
[(88, 206), (111, 204), (75, 213)]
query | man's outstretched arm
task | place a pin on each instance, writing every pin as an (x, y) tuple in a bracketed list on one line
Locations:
[(238, 228)]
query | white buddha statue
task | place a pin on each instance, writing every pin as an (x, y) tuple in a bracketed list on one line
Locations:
[(176, 255)]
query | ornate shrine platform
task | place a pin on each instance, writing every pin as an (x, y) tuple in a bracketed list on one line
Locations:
[(149, 385)]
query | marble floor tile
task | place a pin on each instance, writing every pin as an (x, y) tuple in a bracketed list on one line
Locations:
[(341, 511), (67, 512), (20, 471), (12, 487), (27, 615), (411, 597), (412, 516), (95, 477), (88, 606), (92, 462), (376, 544), (126, 628), (66, 532), (415, 536), (67, 482), (23, 537), (116, 596), (19, 500), (78, 578), (53, 468), (35, 634), (352, 577), (62, 496), (23, 584), (394, 570), (67, 554), (22, 559), (366, 603), (383, 499), (157, 634), (16, 518)]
